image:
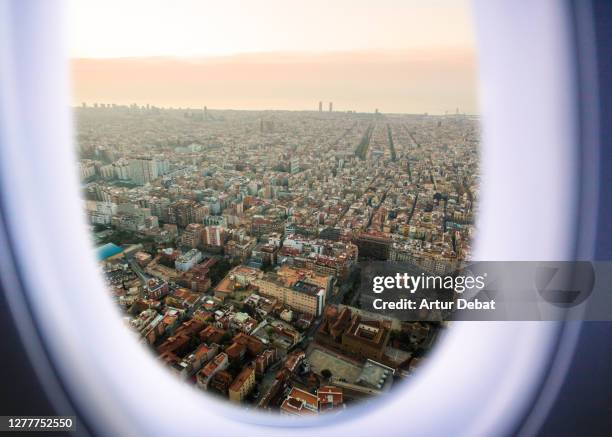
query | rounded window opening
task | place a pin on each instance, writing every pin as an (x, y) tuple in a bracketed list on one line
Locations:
[(243, 163)]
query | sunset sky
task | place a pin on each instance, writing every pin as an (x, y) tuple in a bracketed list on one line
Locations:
[(397, 56)]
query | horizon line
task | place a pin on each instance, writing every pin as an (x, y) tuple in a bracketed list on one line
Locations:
[(201, 108)]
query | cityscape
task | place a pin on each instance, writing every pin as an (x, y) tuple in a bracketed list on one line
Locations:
[(231, 240)]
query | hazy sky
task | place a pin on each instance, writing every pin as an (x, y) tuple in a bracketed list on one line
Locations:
[(395, 55)]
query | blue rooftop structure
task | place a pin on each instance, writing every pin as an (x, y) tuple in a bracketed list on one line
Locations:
[(108, 250)]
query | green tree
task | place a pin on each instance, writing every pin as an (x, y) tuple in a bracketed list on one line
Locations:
[(226, 338)]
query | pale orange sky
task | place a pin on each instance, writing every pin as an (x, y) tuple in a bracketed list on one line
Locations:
[(395, 55)]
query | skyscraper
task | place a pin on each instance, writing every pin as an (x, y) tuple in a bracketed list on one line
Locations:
[(331, 106), (320, 106)]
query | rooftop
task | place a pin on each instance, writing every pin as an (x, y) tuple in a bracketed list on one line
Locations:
[(108, 250)]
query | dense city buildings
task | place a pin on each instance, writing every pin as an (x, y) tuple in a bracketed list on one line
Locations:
[(231, 240)]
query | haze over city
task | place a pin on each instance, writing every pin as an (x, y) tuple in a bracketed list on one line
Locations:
[(398, 57)]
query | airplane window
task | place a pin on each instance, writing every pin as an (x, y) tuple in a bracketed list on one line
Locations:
[(243, 162)]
